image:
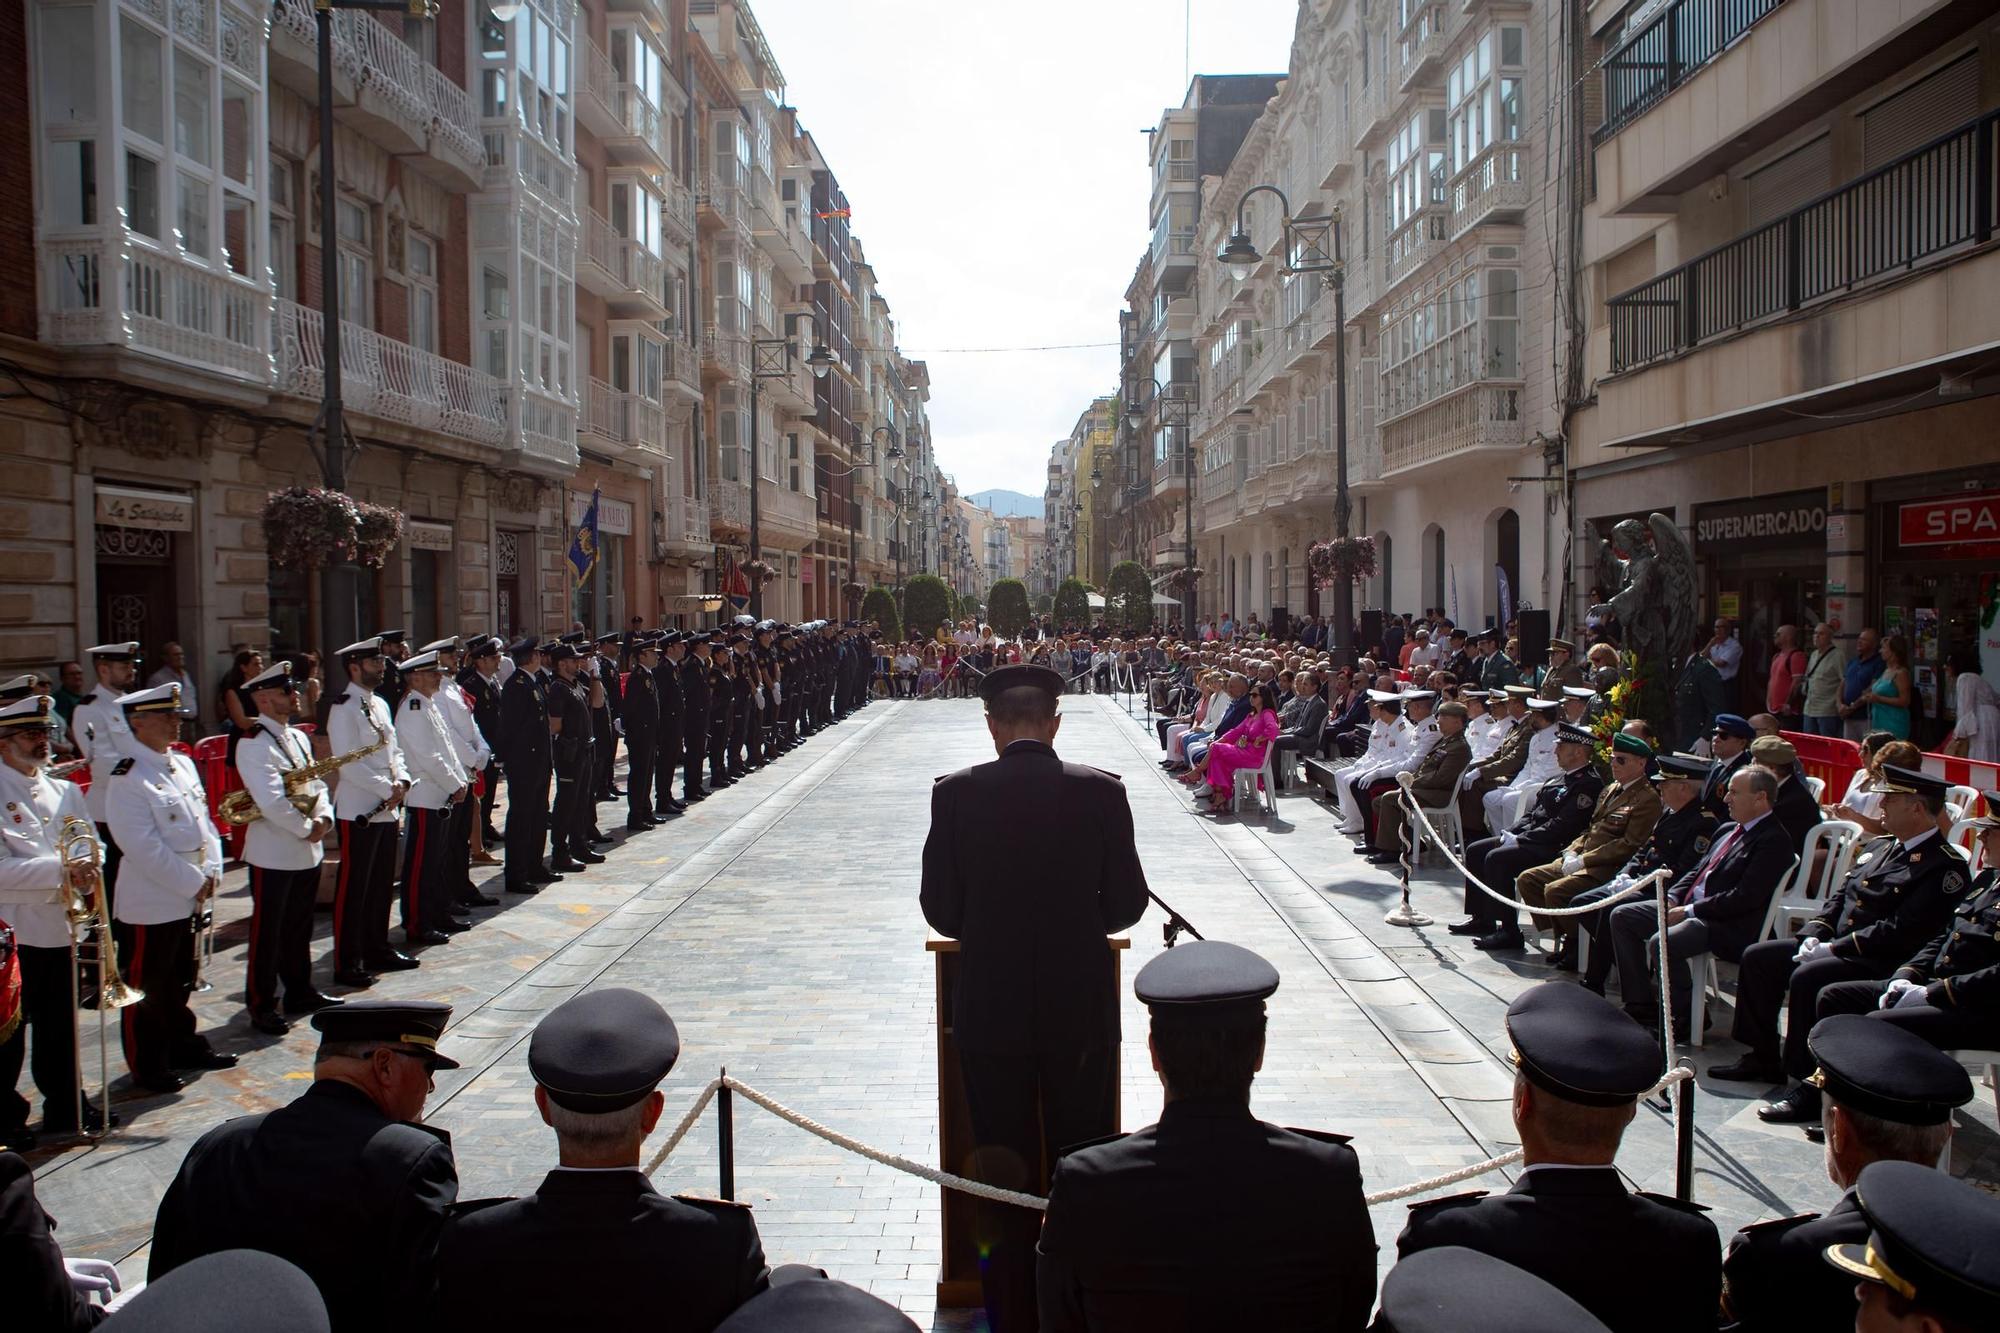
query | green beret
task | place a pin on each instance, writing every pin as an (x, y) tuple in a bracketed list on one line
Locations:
[(1630, 744)]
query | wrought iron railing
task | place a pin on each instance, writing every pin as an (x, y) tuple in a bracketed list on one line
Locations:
[(1934, 200), (392, 380), (1658, 58)]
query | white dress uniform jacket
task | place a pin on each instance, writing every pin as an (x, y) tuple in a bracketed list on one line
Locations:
[(1484, 734), (1387, 744), (1424, 737), (466, 740), (435, 771), (158, 813), (99, 729), (278, 841), (31, 814), (1541, 764), (358, 720)]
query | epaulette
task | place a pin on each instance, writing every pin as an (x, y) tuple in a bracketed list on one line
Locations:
[(122, 767), (415, 702), (90, 698), (1323, 1135), (1685, 1205), (701, 1201), (340, 698), (1771, 1222), (465, 1206), (1467, 1197), (1089, 1143)]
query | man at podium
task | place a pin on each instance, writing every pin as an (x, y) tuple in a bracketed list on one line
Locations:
[(1035, 1016)]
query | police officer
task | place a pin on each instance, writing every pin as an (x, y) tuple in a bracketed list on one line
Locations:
[(368, 804), (604, 737), (1680, 839), (33, 903), (673, 718), (1560, 814), (597, 1062), (695, 690), (641, 720), (480, 681), (1729, 741), (283, 848), (721, 708), (1901, 892), (1889, 1097), (526, 753), (173, 864), (1036, 1012), (342, 1182), (569, 720), (98, 727), (440, 784), (807, 1301), (1920, 1267), (1451, 1289), (1580, 1067), (1627, 808), (1210, 1218)]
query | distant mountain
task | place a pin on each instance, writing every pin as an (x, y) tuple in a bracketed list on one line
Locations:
[(1008, 504)]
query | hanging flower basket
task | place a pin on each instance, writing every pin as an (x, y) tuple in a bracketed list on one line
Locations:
[(1180, 580), (761, 570), (853, 589), (1349, 558), (308, 527)]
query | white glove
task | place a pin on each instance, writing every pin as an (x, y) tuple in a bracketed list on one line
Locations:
[(1509, 839), (1916, 997), (618, 725), (1406, 780), (1471, 776), (1572, 863), (1893, 996), (1807, 948), (92, 1277)]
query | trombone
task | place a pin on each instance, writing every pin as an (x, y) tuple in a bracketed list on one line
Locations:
[(90, 920)]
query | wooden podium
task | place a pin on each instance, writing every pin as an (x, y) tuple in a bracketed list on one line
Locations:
[(958, 1272)]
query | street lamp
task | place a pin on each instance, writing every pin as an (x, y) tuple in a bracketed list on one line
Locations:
[(771, 359), (1312, 245)]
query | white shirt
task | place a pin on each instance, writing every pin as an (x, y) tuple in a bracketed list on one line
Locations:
[(1727, 656), (1385, 750), (1541, 763), (435, 772), (1424, 737), (280, 840), (168, 846), (459, 726), (190, 701), (101, 736), (32, 808), (353, 723)]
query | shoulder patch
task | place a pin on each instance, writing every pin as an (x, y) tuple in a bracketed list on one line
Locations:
[(1772, 1223), (90, 698), (1701, 843), (1685, 1205), (1467, 1197), (416, 704), (123, 766), (725, 1206), (1323, 1135), (1954, 884)]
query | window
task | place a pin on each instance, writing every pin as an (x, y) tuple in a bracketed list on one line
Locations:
[(192, 219), (72, 176), (792, 460), (191, 136), (140, 80), (142, 194), (355, 227), (68, 84), (496, 307), (1484, 111), (284, 234), (1180, 159), (422, 260)]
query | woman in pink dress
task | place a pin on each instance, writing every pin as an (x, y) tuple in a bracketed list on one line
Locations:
[(1241, 747)]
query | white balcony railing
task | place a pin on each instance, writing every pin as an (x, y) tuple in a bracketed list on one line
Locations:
[(98, 291), (624, 418), (391, 380), (1492, 183), (1485, 415), (729, 505), (547, 428), (729, 352), (629, 266), (684, 521), (1414, 244)]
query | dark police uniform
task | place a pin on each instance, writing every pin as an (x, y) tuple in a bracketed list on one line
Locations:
[(1921, 1224), (1210, 1218), (1578, 1227), (673, 717), (604, 739), (568, 821), (1561, 812), (525, 751), (329, 1183), (38, 1292), (694, 737), (721, 711), (485, 697), (1958, 971), (1451, 1290), (641, 716), (1774, 1276), (1678, 842), (1036, 1012)]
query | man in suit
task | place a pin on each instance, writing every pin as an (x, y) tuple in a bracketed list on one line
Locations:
[(597, 1061), (527, 751), (1300, 721), (1580, 1067), (1432, 783), (640, 716), (1796, 808), (1901, 892), (1210, 1218), (1626, 811), (343, 1182), (1036, 1013), (1718, 906), (1889, 1097), (1700, 698), (1561, 813)]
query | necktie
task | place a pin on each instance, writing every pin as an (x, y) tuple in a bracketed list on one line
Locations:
[(1714, 859)]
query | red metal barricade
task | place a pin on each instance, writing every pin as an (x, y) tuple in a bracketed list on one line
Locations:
[(1832, 759), (218, 779)]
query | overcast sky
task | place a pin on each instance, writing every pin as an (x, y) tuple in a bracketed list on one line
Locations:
[(993, 158)]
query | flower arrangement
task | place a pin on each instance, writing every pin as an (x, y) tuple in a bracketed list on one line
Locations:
[(761, 570), (1183, 579), (307, 527), (1621, 703), (853, 589), (1349, 558)]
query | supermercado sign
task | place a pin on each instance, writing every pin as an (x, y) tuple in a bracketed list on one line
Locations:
[(1775, 520), (1952, 520)]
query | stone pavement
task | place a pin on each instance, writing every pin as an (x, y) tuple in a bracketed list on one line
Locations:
[(778, 922)]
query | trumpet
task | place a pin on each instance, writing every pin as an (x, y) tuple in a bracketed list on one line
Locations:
[(90, 920), (202, 922), (240, 807)]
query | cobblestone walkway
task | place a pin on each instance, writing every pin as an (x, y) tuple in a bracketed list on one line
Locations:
[(778, 922)]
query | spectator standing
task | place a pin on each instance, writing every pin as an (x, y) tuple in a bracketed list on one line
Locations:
[(1784, 691), (1699, 698), (1859, 675), (1891, 697), (305, 674), (1725, 650), (69, 692), (173, 670), (1978, 708), (1821, 708)]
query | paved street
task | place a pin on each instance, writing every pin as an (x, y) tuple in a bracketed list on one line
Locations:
[(778, 923)]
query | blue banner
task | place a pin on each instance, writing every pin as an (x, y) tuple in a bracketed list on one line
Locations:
[(583, 545)]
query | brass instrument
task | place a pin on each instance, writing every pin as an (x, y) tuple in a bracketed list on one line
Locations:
[(202, 922), (90, 920), (240, 807)]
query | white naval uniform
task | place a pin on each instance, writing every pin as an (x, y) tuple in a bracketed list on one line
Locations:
[(359, 719), (435, 768), (1484, 734), (103, 737), (158, 812), (1538, 768), (31, 815), (1386, 743), (281, 839), (466, 739), (1424, 737)]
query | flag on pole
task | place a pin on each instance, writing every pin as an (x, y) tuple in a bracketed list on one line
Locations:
[(1453, 569), (583, 543), (736, 585)]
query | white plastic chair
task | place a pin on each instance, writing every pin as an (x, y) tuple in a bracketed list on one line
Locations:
[(1445, 825), (1260, 784), (1817, 786), (1716, 973), (1806, 894), (1966, 838)]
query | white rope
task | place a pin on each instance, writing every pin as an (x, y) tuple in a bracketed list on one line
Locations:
[(1636, 886)]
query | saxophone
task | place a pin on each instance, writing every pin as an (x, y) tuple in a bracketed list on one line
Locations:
[(240, 807)]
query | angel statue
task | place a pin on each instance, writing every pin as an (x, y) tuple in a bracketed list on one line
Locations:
[(1652, 566)]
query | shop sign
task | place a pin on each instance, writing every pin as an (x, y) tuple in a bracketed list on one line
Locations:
[(1797, 519), (427, 536), (159, 511), (1970, 523), (614, 517)]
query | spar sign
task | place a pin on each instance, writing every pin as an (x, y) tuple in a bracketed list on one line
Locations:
[(1968, 524)]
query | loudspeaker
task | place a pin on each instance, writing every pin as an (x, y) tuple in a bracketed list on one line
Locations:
[(1534, 635), (1371, 632), (1281, 623)]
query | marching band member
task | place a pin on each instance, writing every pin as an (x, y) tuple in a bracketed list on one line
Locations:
[(283, 849), (102, 738), (173, 863), (32, 901), (438, 787), (366, 803), (469, 745)]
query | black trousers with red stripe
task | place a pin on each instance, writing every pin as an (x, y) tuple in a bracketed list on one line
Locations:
[(45, 1007), (458, 860), (361, 898), (427, 887), (281, 917), (158, 1033)]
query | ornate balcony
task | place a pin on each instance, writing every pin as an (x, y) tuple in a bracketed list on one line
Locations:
[(728, 506), (393, 381), (724, 355), (1492, 188), (1421, 239), (1421, 45), (1484, 416), (630, 278), (684, 526), (104, 291), (631, 128), (624, 424)]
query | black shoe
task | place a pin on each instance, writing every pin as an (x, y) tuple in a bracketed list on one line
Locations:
[(541, 875), (589, 857), (492, 839), (601, 840), (1472, 927), (309, 1003), (393, 961), (1564, 957), (524, 887), (478, 899), (428, 937), (208, 1059), (453, 926), (641, 825), (161, 1084), (677, 807), (1501, 941), (357, 979), (1751, 1068), (1379, 857), (1815, 1133), (270, 1022), (19, 1138), (569, 867), (1800, 1106)]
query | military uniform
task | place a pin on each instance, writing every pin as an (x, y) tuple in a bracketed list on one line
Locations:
[(483, 696), (667, 751), (640, 715), (366, 806), (97, 726), (284, 861), (694, 672), (721, 712), (1679, 841), (1433, 783), (1560, 814), (1498, 769), (470, 749), (1619, 827), (1958, 971), (604, 738), (567, 821), (439, 785), (526, 753)]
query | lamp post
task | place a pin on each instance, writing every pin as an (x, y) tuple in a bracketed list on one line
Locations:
[(1312, 245), (854, 509), (327, 438), (1176, 401), (771, 359)]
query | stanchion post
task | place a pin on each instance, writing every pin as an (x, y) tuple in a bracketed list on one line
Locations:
[(1684, 1135), (725, 1136), (1403, 914)]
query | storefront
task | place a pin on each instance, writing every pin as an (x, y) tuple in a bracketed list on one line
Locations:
[(1763, 564), (599, 602), (143, 538), (1938, 544)]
